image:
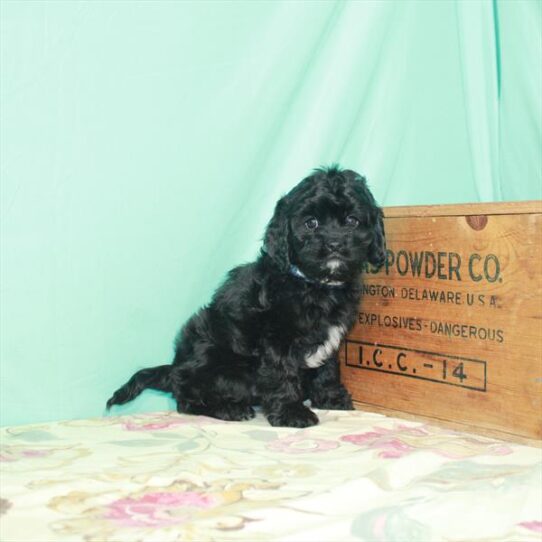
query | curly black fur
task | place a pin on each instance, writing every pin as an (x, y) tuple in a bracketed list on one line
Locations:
[(270, 335)]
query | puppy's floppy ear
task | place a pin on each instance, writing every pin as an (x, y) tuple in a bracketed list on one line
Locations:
[(276, 236), (376, 254)]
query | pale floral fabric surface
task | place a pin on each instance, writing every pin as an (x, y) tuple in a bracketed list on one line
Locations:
[(356, 476)]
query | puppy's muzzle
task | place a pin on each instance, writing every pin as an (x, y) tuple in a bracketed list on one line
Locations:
[(334, 245)]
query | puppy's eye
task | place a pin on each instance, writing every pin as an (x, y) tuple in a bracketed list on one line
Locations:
[(311, 223), (351, 221)]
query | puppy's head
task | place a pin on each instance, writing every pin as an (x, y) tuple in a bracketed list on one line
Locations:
[(328, 226)]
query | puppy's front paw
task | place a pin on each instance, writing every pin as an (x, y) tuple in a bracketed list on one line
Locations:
[(293, 415), (337, 400)]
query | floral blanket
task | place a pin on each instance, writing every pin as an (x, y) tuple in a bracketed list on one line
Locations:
[(355, 477)]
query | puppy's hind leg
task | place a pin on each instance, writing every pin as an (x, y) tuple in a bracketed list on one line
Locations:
[(220, 388)]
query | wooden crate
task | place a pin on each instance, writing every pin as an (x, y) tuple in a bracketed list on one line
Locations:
[(451, 328)]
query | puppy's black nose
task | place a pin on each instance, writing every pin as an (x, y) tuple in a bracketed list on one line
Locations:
[(333, 245)]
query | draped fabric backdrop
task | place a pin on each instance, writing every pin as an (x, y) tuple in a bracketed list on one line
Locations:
[(144, 144)]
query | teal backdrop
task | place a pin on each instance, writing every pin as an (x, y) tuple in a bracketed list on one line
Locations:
[(144, 144)]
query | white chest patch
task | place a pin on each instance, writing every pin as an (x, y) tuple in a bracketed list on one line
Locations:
[(334, 337), (332, 265)]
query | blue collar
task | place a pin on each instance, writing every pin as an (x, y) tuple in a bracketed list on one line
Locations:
[(296, 272)]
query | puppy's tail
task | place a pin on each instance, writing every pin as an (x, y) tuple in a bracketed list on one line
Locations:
[(156, 378)]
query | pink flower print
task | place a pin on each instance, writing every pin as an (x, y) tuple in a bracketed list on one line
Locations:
[(394, 448), (535, 526), (403, 440), (159, 509), (36, 453), (501, 449), (385, 440), (15, 454), (157, 423), (299, 444), (153, 426), (362, 438)]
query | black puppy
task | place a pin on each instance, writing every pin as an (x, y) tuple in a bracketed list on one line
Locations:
[(271, 333)]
